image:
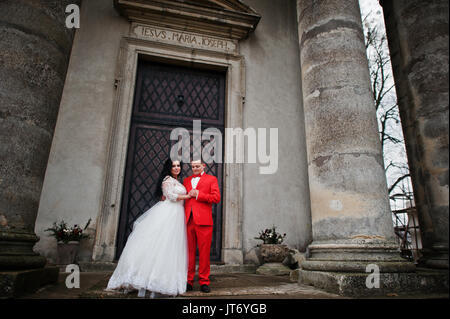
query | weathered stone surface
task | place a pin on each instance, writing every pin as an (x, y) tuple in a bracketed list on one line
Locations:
[(417, 34), (276, 101), (34, 54), (273, 253), (354, 284), (67, 252), (294, 259), (355, 266), (16, 251), (346, 174), (215, 268), (351, 218), (222, 286), (294, 275), (16, 283), (273, 269)]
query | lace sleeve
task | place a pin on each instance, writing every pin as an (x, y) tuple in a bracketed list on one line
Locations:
[(168, 188)]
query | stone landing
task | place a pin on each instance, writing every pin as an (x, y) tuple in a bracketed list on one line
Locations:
[(231, 285), (223, 286), (423, 281), (17, 283), (215, 268)]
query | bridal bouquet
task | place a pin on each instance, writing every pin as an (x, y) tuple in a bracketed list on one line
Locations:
[(271, 236), (62, 232)]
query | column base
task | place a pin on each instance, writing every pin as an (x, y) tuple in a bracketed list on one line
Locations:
[(356, 256), (437, 263), (437, 257), (16, 283), (344, 266), (354, 284), (359, 266), (17, 251)]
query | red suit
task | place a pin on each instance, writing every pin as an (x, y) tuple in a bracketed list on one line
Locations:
[(199, 224)]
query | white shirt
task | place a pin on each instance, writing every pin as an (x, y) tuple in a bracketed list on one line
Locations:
[(194, 182)]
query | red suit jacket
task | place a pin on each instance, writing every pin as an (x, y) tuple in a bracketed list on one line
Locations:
[(201, 207)]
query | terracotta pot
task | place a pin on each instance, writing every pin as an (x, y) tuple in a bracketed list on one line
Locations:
[(273, 253), (67, 252)]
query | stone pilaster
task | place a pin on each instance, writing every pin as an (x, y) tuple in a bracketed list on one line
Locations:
[(417, 33), (34, 54), (351, 218)]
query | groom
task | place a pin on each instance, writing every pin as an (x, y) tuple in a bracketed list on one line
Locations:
[(204, 191)]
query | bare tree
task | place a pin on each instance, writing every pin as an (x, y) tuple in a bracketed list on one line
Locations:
[(393, 147), (388, 115)]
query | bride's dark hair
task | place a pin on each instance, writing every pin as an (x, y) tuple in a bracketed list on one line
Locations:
[(165, 171)]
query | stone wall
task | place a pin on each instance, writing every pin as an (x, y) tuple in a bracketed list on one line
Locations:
[(34, 53), (76, 167), (274, 99), (75, 177)]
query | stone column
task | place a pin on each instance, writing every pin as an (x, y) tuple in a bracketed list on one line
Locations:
[(351, 218), (417, 33), (35, 47)]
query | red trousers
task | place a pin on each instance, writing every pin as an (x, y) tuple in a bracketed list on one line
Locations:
[(201, 236)]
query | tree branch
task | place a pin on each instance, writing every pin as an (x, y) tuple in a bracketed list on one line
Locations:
[(398, 181)]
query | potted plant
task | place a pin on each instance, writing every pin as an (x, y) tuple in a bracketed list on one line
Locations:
[(272, 250), (68, 239)]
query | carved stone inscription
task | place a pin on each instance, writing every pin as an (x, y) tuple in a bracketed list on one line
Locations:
[(183, 38)]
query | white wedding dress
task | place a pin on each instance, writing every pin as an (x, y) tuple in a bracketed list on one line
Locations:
[(155, 255)]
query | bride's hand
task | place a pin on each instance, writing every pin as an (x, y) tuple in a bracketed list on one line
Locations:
[(184, 197)]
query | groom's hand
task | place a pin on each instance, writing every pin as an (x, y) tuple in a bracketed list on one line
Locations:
[(163, 198), (193, 193)]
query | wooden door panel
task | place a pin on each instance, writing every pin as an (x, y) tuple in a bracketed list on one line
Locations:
[(159, 86)]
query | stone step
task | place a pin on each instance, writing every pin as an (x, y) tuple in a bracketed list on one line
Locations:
[(16, 283), (229, 285), (215, 268)]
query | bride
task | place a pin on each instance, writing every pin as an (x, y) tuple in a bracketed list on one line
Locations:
[(155, 255)]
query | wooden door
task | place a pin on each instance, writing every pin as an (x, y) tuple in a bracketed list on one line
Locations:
[(155, 113)]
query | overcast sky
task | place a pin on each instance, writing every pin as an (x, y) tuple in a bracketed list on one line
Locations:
[(374, 7), (395, 152)]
